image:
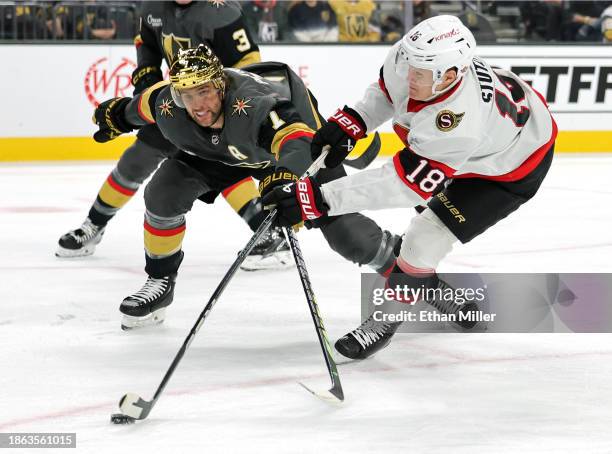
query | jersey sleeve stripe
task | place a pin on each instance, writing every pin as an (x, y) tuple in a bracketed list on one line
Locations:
[(144, 104), (291, 132), (138, 41)]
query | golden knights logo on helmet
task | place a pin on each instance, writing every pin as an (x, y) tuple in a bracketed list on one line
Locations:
[(195, 67)]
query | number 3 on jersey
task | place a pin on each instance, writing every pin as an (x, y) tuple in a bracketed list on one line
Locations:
[(508, 108), (243, 41)]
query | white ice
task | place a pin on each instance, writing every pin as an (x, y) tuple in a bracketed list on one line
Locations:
[(65, 362)]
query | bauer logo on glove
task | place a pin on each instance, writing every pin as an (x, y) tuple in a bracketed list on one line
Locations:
[(297, 202)]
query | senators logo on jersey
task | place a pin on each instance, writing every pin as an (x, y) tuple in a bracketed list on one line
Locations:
[(447, 120)]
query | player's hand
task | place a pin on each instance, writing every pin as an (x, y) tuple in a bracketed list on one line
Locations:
[(145, 76), (109, 116), (279, 177), (296, 202), (341, 133)]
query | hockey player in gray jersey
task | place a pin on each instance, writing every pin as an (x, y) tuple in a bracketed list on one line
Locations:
[(478, 143), (230, 125), (166, 27)]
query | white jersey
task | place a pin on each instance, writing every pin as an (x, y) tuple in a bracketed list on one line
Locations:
[(490, 125)]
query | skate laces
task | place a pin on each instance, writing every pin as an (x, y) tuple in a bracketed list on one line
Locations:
[(370, 331), (86, 232), (152, 289)]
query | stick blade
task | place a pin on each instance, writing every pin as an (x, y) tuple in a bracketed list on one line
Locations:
[(134, 406), (335, 395), (366, 158)]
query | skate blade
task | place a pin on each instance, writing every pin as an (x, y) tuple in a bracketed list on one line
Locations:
[(72, 253), (129, 322), (275, 261)]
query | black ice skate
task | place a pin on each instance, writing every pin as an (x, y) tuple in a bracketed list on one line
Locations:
[(271, 252), (370, 337), (148, 305), (80, 242)]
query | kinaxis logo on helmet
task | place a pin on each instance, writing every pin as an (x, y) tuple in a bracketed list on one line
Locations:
[(104, 80), (453, 32), (447, 120)]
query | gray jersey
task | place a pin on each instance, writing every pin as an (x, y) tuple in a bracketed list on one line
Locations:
[(262, 128)]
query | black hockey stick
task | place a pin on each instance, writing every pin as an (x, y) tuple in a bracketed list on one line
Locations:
[(133, 406), (366, 158), (335, 393)]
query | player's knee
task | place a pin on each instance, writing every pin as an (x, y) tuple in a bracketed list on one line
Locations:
[(139, 161), (162, 201), (426, 241), (354, 237)]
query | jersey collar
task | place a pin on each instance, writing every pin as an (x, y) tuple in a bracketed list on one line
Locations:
[(415, 106)]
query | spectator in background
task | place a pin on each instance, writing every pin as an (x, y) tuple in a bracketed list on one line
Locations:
[(22, 21), (559, 20), (312, 21), (267, 20), (356, 20), (391, 17), (421, 10), (582, 21), (606, 25), (82, 21)]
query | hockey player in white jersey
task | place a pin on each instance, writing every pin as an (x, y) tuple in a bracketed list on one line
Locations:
[(478, 143)]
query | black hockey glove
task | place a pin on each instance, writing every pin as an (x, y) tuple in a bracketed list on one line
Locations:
[(341, 133), (109, 116), (145, 76), (279, 177), (298, 202)]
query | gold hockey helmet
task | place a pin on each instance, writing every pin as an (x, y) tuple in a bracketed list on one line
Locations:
[(194, 67)]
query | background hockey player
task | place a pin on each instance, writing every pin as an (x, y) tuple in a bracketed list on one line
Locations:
[(166, 27), (230, 124), (478, 143)]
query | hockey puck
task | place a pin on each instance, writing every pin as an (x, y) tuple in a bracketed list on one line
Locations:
[(119, 418)]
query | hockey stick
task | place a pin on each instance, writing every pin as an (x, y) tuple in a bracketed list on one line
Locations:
[(132, 406), (335, 393), (366, 158)]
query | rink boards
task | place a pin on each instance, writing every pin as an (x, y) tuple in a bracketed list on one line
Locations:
[(51, 104)]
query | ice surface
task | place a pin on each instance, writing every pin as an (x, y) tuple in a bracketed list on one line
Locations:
[(65, 362)]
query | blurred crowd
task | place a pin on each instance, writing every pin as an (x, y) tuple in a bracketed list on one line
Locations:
[(327, 20)]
